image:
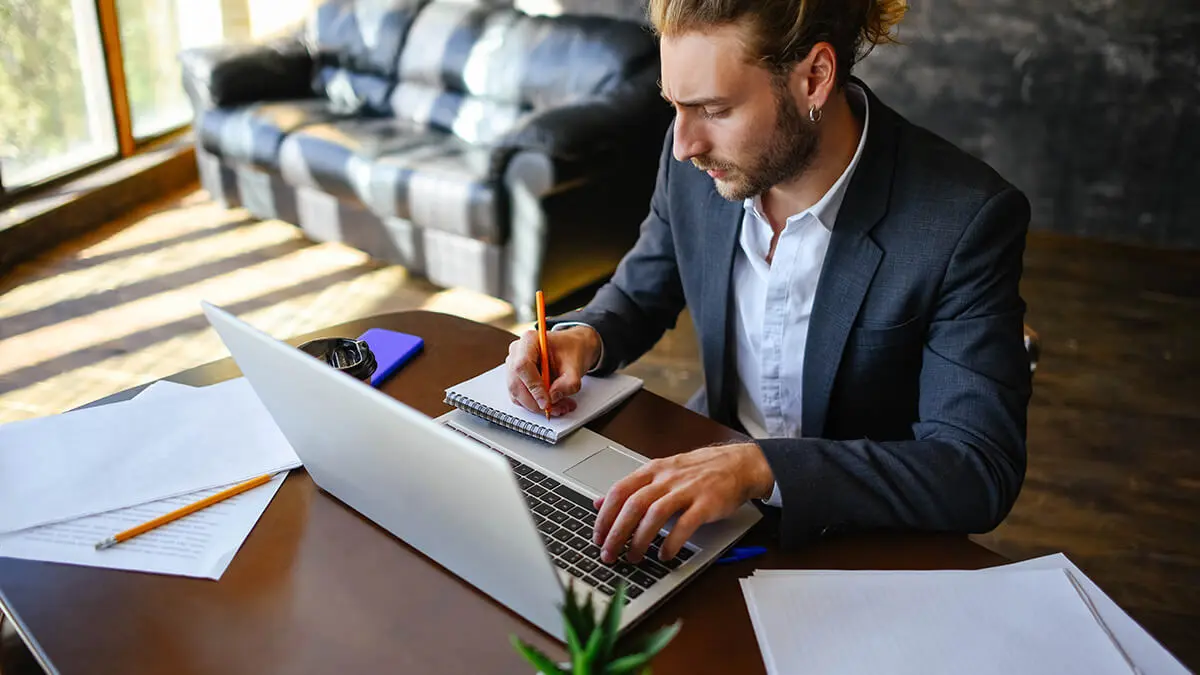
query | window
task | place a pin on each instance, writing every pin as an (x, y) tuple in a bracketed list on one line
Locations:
[(55, 108), (152, 34), (83, 81)]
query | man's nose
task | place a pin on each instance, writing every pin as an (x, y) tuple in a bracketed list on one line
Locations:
[(688, 143)]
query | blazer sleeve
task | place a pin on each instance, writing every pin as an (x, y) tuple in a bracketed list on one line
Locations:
[(645, 295), (965, 465)]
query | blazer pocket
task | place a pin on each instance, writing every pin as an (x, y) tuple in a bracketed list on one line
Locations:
[(901, 334)]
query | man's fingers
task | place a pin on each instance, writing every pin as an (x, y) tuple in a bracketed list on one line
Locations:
[(656, 517), (632, 513), (520, 395), (610, 504), (567, 384), (563, 407), (522, 373), (522, 364), (685, 527)]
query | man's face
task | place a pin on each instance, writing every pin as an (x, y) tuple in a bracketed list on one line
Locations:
[(733, 118)]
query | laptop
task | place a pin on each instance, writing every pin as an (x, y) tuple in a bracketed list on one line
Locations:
[(507, 513)]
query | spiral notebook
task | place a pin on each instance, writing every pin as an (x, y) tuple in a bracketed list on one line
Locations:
[(486, 396)]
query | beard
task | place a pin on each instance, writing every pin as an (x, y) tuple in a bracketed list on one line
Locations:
[(780, 157)]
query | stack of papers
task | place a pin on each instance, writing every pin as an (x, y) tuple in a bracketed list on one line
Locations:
[(1038, 616), (72, 480)]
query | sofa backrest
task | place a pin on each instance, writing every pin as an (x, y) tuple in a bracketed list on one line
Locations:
[(475, 70), (356, 47)]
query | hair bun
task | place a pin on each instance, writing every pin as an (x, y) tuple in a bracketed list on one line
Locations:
[(882, 17)]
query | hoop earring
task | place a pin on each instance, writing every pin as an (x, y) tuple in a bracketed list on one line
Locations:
[(814, 114)]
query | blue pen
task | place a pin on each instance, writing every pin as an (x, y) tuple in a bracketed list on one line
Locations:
[(742, 553)]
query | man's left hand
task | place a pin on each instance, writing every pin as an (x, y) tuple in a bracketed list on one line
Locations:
[(701, 486)]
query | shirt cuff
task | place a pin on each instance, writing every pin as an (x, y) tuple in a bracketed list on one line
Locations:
[(568, 324), (776, 498)]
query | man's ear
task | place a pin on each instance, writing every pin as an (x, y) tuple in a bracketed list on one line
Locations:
[(813, 79)]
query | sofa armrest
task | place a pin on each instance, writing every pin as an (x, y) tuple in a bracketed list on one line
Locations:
[(597, 128), (230, 75)]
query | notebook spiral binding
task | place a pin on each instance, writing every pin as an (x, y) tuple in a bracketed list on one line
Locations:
[(504, 419)]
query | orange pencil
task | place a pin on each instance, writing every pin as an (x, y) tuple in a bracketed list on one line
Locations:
[(541, 310), (182, 511)]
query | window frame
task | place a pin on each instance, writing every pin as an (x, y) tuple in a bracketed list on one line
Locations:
[(108, 25)]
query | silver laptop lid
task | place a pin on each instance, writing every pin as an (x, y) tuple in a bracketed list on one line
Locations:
[(450, 498)]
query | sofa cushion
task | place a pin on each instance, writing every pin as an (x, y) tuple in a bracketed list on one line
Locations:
[(399, 170), (363, 36), (355, 46), (252, 133), (479, 69), (351, 93), (472, 118)]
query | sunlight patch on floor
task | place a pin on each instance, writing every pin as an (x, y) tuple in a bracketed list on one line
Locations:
[(468, 304), (124, 271), (171, 305)]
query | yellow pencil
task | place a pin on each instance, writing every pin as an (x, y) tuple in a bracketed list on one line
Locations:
[(183, 511)]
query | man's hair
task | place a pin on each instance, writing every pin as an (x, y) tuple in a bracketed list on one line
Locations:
[(782, 32)]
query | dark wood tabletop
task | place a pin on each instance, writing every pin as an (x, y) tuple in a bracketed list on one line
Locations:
[(316, 588)]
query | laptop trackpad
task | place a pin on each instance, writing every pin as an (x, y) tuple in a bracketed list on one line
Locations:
[(600, 470)]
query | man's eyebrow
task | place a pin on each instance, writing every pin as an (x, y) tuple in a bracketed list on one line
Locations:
[(695, 103)]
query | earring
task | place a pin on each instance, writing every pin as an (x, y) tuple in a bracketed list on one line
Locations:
[(814, 114)]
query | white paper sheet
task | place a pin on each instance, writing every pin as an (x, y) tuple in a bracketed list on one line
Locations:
[(201, 544), (1030, 621), (1148, 656), (158, 445), (162, 389)]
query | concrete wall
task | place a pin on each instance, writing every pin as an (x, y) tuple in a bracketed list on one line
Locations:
[(1092, 107)]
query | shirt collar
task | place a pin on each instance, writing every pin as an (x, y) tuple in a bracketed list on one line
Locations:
[(826, 208)]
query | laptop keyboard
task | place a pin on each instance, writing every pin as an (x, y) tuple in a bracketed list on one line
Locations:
[(565, 518)]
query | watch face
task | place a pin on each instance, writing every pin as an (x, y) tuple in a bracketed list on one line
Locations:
[(352, 357)]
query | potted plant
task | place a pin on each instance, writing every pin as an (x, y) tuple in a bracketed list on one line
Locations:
[(592, 644)]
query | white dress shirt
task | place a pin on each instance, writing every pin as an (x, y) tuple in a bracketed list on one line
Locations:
[(773, 303)]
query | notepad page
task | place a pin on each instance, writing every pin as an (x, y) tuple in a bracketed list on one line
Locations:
[(597, 395), (1033, 622)]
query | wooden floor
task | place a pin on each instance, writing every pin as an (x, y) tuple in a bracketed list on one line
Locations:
[(1114, 460)]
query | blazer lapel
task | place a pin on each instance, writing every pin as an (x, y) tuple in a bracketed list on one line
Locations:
[(720, 236), (849, 265)]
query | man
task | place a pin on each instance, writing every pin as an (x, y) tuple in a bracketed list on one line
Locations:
[(853, 280)]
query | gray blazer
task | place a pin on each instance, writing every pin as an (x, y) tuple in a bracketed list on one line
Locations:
[(916, 380)]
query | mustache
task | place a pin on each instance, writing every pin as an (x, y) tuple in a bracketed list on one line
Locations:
[(707, 164)]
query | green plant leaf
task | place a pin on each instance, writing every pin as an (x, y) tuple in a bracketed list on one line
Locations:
[(591, 654), (646, 651), (573, 644), (572, 620), (611, 624), (539, 660), (582, 665), (588, 624)]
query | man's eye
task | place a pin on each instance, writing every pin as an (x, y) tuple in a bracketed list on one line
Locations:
[(709, 114)]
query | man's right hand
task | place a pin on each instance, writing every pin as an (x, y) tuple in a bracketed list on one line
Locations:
[(573, 352)]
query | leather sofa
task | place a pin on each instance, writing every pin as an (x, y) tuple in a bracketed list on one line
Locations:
[(476, 145)]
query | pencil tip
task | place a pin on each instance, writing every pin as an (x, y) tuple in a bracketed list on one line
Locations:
[(107, 543)]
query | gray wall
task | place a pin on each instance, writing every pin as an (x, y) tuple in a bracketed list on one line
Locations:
[(1092, 107)]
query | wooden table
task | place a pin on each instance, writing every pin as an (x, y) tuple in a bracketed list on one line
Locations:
[(316, 588)]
